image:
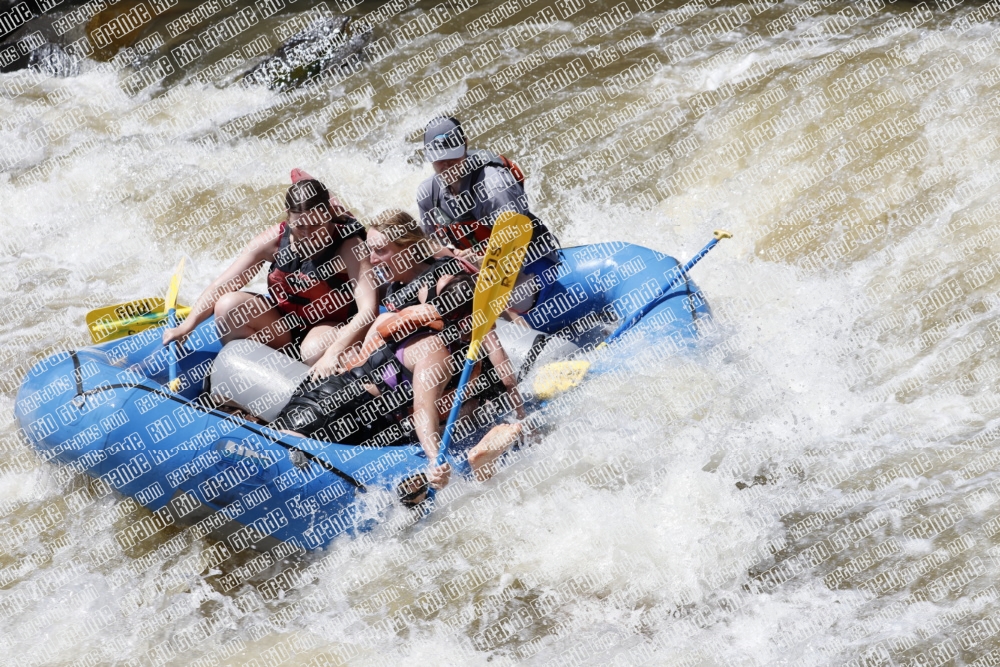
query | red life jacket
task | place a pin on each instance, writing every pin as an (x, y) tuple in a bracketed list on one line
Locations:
[(317, 290), (465, 235)]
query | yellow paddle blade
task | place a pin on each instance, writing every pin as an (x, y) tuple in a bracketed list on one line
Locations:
[(504, 255), (554, 378), (559, 376), (175, 285), (128, 310), (151, 319), (125, 319)]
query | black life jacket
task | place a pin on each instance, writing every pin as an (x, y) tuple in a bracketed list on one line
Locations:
[(317, 289), (340, 409), (399, 295)]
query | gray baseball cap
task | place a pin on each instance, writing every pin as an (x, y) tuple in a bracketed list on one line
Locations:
[(444, 139)]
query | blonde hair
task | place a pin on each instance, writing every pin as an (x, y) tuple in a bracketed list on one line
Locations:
[(398, 226)]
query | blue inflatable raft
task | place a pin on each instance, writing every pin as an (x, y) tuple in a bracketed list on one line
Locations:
[(105, 411)]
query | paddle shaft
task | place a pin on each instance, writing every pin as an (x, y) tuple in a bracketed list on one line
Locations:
[(172, 322), (533, 352), (170, 303), (630, 322), (455, 408), (501, 263)]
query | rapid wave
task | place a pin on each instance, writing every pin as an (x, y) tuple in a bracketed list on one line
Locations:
[(814, 483)]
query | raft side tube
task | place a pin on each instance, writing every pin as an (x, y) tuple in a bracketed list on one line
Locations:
[(606, 283), (158, 447)]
